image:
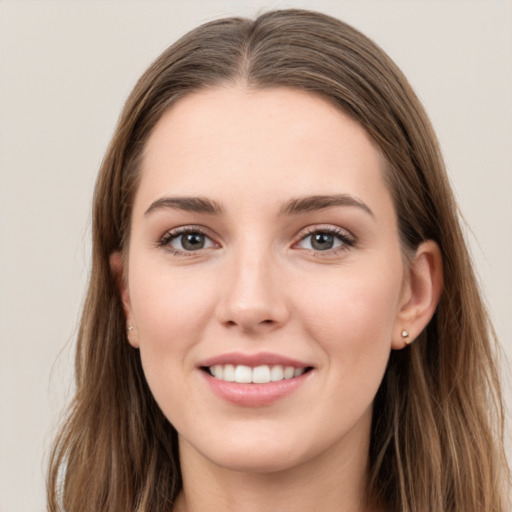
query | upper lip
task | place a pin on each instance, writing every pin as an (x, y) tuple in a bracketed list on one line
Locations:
[(253, 360)]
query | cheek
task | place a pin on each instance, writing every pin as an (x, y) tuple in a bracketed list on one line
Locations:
[(170, 311), (353, 319)]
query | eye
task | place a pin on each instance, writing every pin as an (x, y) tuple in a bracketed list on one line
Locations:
[(186, 240), (328, 239)]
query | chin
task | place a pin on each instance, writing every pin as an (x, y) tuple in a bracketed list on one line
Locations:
[(257, 461), (262, 454)]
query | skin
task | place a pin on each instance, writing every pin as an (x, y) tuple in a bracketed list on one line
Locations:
[(259, 285)]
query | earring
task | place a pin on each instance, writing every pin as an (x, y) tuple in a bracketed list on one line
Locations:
[(129, 328), (405, 336)]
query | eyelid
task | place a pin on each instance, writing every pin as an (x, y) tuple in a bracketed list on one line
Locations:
[(174, 233), (348, 240)]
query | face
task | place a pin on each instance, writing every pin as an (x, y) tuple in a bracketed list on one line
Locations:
[(264, 279)]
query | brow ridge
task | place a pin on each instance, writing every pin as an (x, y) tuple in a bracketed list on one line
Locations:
[(294, 206), (190, 204), (319, 202)]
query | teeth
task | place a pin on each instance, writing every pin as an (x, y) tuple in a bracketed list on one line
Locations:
[(261, 374), (288, 372), (229, 373), (258, 375), (243, 374), (218, 371), (276, 373)]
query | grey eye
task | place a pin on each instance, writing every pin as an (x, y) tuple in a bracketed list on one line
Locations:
[(191, 241), (321, 241)]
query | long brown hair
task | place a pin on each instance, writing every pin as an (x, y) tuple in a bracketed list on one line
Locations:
[(437, 433)]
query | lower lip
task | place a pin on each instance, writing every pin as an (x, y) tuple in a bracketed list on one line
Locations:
[(254, 395)]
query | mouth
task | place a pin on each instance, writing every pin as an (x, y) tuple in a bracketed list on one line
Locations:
[(261, 374), (255, 380)]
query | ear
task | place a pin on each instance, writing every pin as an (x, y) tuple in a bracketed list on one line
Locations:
[(421, 293), (117, 266)]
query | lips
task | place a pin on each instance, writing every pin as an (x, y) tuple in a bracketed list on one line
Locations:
[(254, 380)]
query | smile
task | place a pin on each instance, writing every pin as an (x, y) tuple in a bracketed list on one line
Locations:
[(261, 374), (254, 380)]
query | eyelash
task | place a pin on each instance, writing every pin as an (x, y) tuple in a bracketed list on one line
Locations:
[(174, 234), (346, 240)]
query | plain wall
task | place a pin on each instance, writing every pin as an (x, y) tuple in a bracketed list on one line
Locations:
[(66, 68)]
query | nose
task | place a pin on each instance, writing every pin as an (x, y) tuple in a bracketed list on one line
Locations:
[(253, 295)]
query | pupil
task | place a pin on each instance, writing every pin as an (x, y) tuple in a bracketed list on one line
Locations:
[(192, 241), (322, 241)]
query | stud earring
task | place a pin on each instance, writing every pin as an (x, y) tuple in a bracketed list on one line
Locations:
[(405, 336), (129, 328)]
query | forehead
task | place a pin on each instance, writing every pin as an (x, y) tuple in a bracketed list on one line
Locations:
[(234, 140)]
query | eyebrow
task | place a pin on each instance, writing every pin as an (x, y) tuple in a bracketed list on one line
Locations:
[(292, 207), (319, 202), (189, 204)]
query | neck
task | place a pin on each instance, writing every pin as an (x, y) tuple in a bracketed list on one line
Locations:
[(334, 481)]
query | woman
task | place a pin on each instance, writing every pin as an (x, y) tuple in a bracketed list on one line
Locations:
[(282, 313)]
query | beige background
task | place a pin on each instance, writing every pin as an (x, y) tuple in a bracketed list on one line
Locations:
[(66, 68)]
